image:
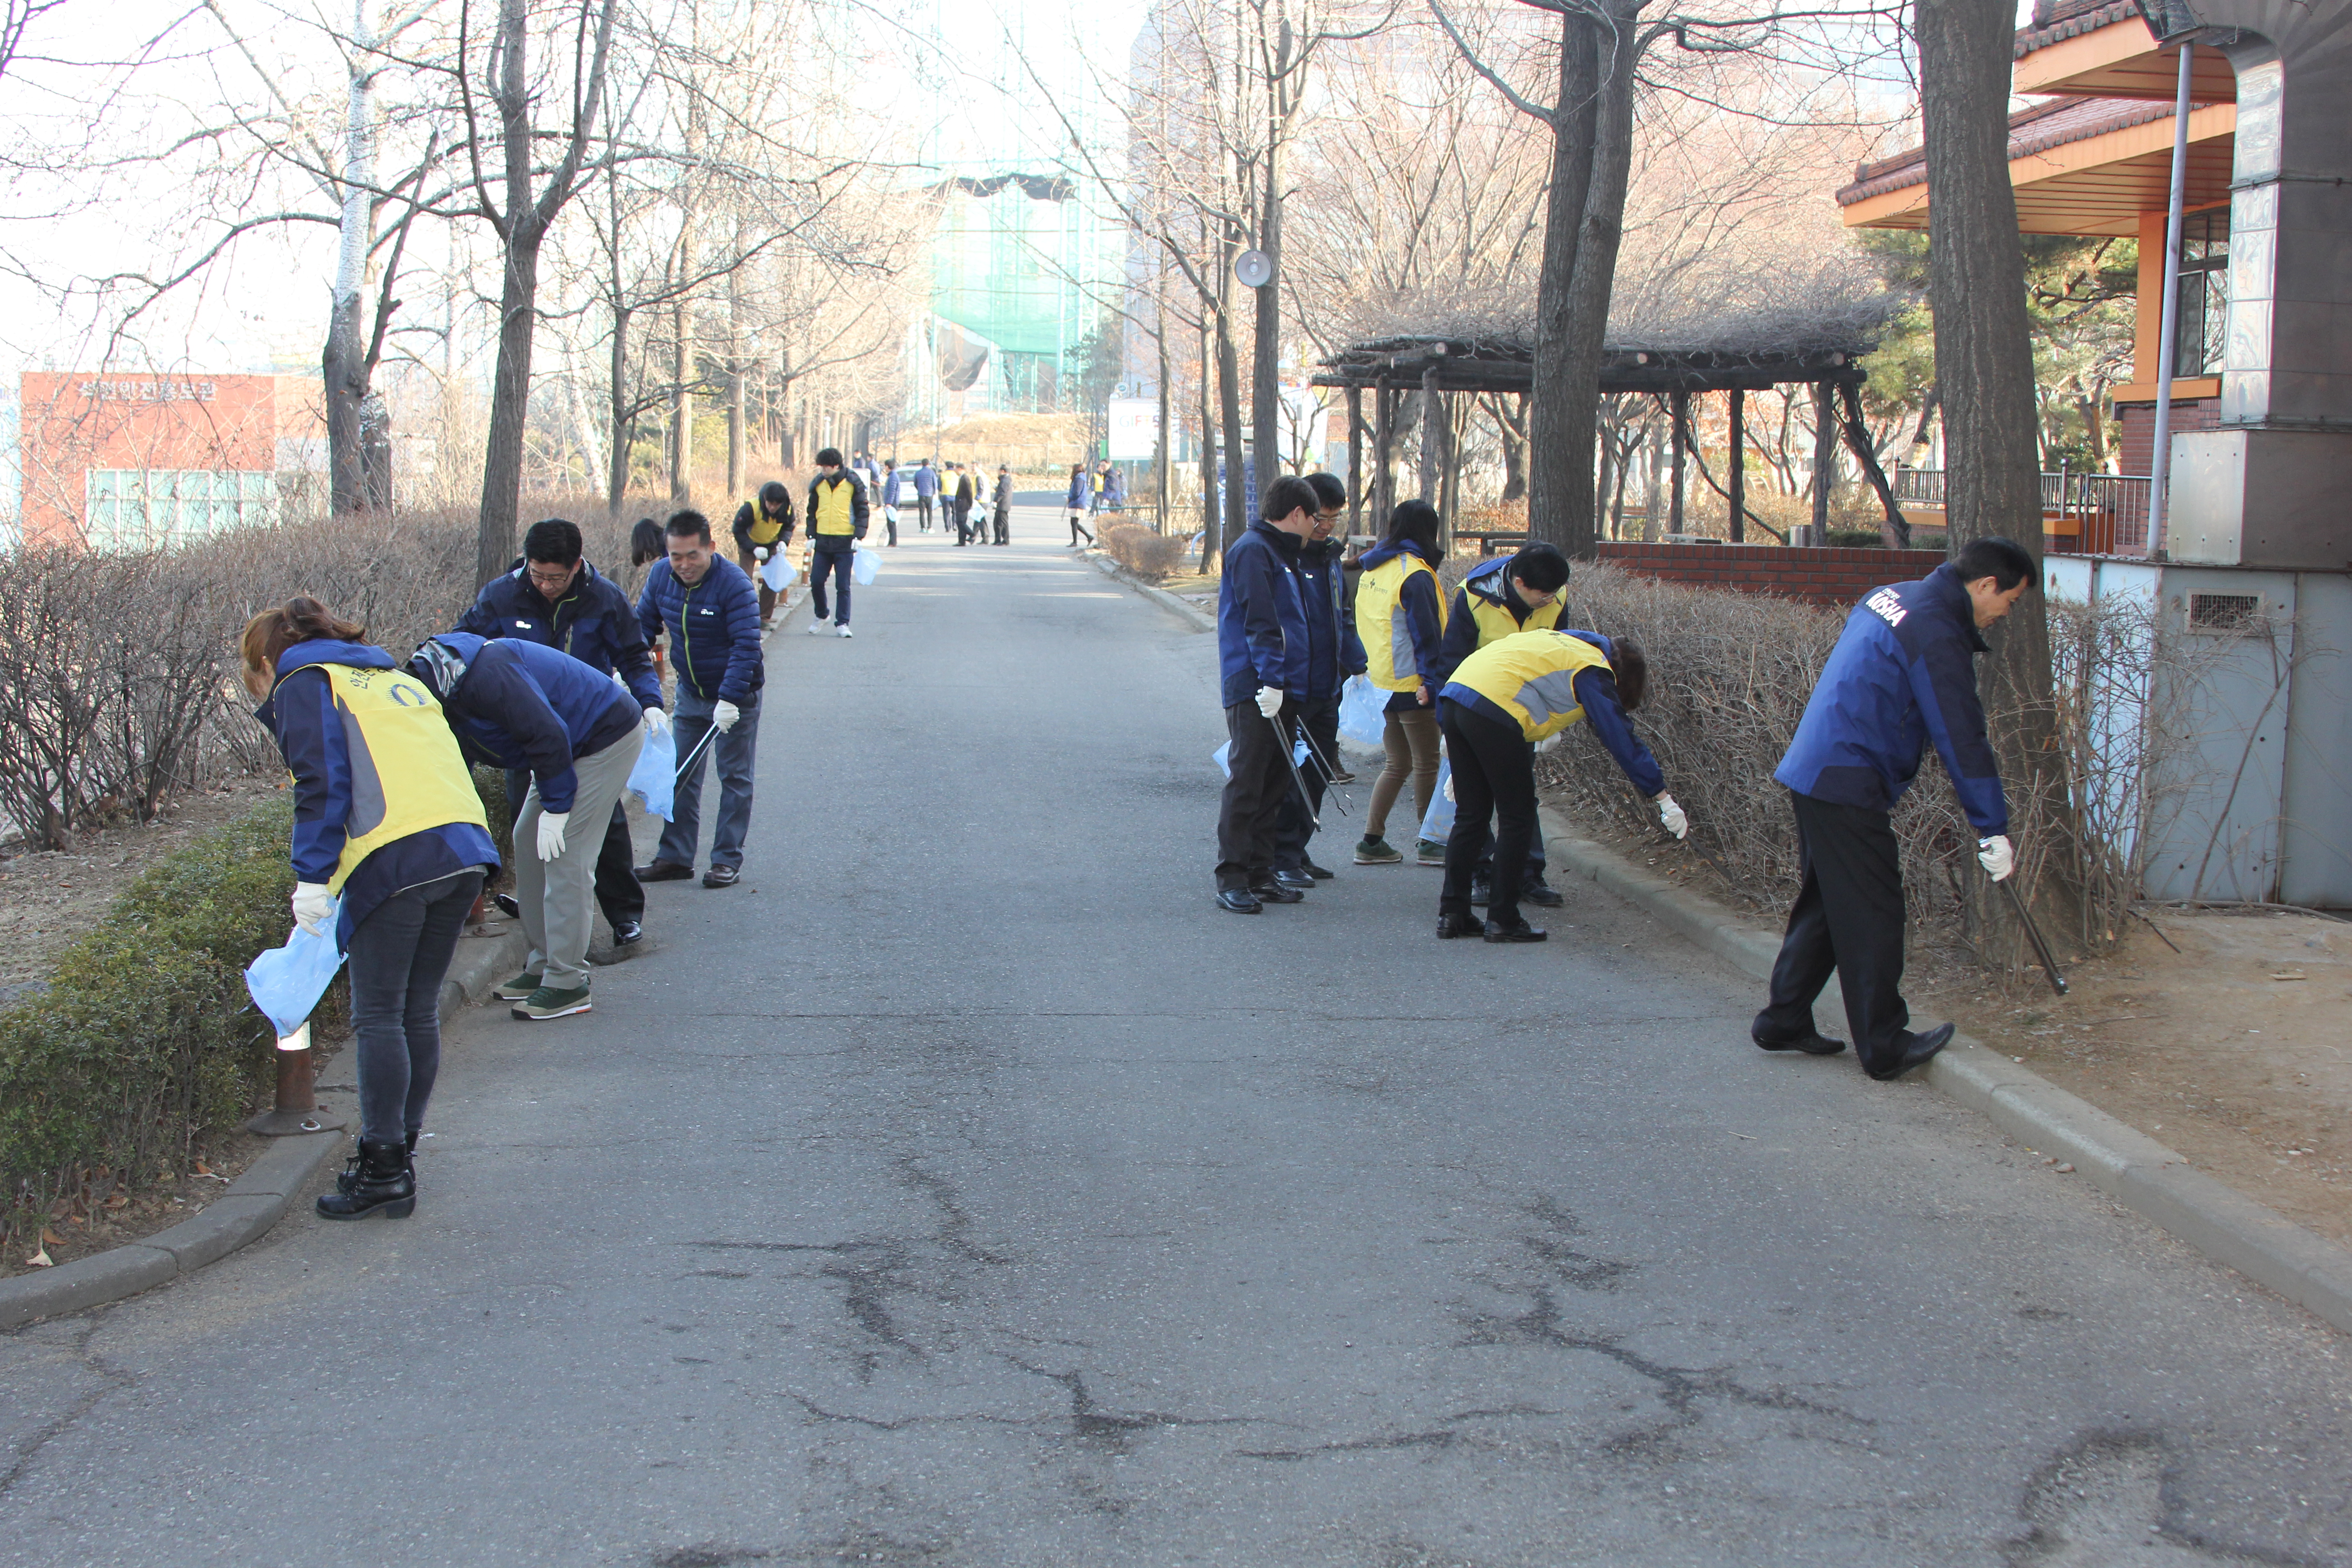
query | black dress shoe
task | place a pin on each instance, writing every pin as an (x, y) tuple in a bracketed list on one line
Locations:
[(1296, 878), (1452, 926), (1320, 873), (1481, 893), (1915, 1053), (664, 872), (1238, 900), (508, 905), (1517, 930), (629, 933), (1812, 1042), (1543, 895), (722, 876), (1274, 892)]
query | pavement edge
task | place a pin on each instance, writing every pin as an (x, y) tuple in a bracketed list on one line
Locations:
[(253, 1202), (2144, 1176), (1198, 619)]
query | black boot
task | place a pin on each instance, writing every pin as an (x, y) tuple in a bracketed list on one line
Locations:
[(349, 1181), (376, 1178)]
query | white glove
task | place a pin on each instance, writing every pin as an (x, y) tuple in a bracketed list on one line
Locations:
[(1672, 817), (1996, 855), (759, 552), (1269, 701), (724, 715), (551, 825), (1449, 787), (656, 722), (313, 907)]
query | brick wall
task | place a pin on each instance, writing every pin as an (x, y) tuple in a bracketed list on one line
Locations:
[(2136, 430), (1827, 577)]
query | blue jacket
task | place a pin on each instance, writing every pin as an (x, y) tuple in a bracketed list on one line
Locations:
[(1334, 651), (927, 481), (300, 713), (1902, 674), (1080, 493), (890, 482), (1261, 618), (1421, 605), (519, 705), (714, 631), (1604, 713), (593, 622)]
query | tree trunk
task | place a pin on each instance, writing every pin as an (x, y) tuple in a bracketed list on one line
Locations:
[(1984, 369), (494, 544), (1209, 504), (737, 459), (1515, 445), (1239, 503), (681, 404), (622, 424)]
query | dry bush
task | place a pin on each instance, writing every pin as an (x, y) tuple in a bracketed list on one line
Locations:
[(1145, 552)]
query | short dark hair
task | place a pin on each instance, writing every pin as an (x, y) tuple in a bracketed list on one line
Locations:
[(1541, 567), (1632, 668), (889, 462), (1286, 495), (1329, 489), (646, 542), (829, 458), (1416, 521), (2002, 560), (688, 524), (552, 540)]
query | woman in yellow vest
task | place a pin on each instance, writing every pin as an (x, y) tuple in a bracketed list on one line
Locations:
[(763, 526), (1506, 698), (1401, 620), (385, 818)]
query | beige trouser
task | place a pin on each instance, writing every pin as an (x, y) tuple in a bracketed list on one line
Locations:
[(1411, 741), (559, 897)]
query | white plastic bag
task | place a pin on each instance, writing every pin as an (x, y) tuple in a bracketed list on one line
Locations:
[(777, 573), (1438, 825), (286, 982), (1222, 756), (654, 778), (862, 569), (1363, 714)]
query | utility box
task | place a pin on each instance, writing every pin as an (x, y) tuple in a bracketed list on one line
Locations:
[(2205, 513)]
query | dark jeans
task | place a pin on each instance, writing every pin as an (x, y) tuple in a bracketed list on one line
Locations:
[(618, 892), (1849, 917), (736, 750), (1246, 817), (399, 956), (1003, 524), (890, 524), (923, 512), (837, 563), (1494, 777), (1294, 825), (963, 510)]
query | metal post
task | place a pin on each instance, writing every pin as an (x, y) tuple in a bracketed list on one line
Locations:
[(2167, 338), (1738, 494), (297, 1109)]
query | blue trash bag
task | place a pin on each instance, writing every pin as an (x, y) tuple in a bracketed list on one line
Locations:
[(286, 982), (1438, 825), (777, 573), (862, 569), (1363, 719), (654, 778), (1222, 756)]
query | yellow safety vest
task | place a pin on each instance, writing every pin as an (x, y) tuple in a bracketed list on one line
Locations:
[(1381, 623), (1496, 622), (829, 509), (765, 529), (1531, 675), (407, 774)]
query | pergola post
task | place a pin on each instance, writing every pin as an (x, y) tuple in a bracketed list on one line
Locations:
[(1449, 480), (1738, 494), (1432, 437), (1678, 413), (1355, 460), (1824, 458), (1383, 430)]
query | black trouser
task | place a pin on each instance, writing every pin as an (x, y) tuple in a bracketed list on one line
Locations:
[(618, 892), (923, 512), (1260, 769), (960, 512), (1003, 524), (890, 524), (399, 956), (1494, 777), (1849, 917), (1294, 824)]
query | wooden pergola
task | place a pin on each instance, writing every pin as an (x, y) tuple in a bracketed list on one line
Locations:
[(1448, 368)]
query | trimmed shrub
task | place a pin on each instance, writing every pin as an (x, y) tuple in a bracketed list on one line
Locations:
[(1145, 552), (144, 1037)]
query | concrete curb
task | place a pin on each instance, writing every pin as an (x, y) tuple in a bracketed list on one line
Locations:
[(1198, 619), (2126, 1163), (253, 1202)]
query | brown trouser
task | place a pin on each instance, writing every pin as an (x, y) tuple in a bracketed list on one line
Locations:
[(1411, 741), (752, 569)]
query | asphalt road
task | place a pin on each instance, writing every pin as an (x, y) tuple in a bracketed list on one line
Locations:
[(964, 1189)]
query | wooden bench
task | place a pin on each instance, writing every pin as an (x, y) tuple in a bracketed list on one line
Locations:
[(1490, 540)]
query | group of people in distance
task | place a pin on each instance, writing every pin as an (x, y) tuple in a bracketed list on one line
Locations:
[(1486, 683), (960, 493)]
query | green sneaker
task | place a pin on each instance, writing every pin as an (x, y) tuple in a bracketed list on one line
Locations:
[(1372, 852), (545, 1003), (520, 987), (1428, 852)]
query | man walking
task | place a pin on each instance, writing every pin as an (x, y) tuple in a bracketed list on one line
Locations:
[(763, 525), (706, 606), (1902, 674), (891, 485), (1334, 652), (557, 599), (1262, 644), (1521, 593), (1003, 505), (926, 490), (965, 493), (837, 522)]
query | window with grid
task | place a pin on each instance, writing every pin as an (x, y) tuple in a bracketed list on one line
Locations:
[(154, 508), (2201, 336)]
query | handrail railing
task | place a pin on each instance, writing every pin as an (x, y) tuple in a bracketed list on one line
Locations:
[(2106, 514)]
